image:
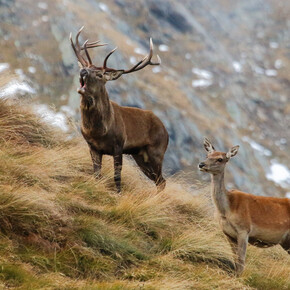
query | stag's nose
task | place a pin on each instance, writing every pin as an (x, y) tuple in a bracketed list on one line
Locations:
[(201, 164), (83, 72)]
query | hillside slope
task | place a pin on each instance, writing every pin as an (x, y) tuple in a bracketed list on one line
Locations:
[(61, 229), (224, 73)]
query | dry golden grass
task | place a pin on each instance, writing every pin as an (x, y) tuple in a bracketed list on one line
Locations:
[(62, 229)]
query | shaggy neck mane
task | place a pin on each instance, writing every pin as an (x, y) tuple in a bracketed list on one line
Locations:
[(96, 112)]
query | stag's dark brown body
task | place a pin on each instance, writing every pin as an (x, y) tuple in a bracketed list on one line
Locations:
[(110, 129)]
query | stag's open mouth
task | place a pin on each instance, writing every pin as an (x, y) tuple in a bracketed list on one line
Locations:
[(82, 88), (82, 81)]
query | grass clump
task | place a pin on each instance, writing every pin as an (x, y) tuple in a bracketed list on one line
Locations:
[(62, 229)]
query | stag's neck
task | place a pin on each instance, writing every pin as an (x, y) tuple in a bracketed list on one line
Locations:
[(97, 112), (219, 193)]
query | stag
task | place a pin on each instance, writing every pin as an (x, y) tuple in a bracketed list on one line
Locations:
[(245, 218), (110, 129)]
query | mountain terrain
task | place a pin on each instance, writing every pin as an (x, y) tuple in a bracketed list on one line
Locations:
[(62, 229), (225, 74)]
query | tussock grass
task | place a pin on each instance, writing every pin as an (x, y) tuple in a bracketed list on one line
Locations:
[(62, 229)]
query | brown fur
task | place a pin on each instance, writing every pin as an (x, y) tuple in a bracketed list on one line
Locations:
[(261, 221), (114, 130)]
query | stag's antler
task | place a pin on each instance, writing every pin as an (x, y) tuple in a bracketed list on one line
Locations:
[(77, 48), (141, 64)]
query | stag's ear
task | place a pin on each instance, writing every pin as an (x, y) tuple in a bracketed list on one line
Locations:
[(208, 146), (233, 151), (113, 75)]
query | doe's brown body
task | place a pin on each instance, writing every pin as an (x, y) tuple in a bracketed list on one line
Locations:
[(246, 218)]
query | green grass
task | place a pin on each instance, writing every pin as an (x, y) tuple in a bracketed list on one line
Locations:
[(62, 229)]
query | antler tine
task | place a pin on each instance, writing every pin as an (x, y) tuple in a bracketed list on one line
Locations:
[(94, 44), (86, 51), (145, 61), (105, 60), (77, 48)]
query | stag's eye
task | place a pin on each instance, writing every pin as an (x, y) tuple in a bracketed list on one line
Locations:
[(220, 160)]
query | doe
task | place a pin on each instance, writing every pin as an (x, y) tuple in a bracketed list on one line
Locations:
[(245, 218)]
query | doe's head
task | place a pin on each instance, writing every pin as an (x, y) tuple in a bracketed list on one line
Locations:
[(216, 161)]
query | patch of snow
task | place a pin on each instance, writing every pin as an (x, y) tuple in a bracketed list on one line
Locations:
[(202, 73), (4, 66), (237, 66), (274, 44), (44, 18), (271, 72), (42, 5), (139, 50), (187, 56), (67, 110), (278, 64), (20, 73), (201, 83), (163, 47), (287, 194), (282, 141), (133, 60), (16, 87), (32, 69), (258, 70), (279, 173), (35, 23), (129, 42), (156, 69), (104, 7), (56, 119), (257, 146)]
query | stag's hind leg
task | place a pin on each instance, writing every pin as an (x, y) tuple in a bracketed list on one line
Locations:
[(155, 158), (152, 168)]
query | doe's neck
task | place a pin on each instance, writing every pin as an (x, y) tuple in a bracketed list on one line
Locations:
[(219, 193)]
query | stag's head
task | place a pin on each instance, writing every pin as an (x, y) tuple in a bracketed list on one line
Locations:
[(93, 77), (216, 161)]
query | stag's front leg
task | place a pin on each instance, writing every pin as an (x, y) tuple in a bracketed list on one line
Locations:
[(97, 162), (118, 161)]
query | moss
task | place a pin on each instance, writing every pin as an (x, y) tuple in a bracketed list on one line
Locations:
[(96, 235), (260, 281), (14, 275)]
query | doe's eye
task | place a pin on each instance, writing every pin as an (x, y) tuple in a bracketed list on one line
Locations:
[(220, 160)]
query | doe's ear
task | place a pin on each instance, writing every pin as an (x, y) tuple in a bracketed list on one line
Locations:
[(208, 146), (113, 75), (233, 151)]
